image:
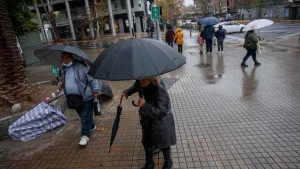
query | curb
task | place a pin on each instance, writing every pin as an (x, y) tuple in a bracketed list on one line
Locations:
[(60, 103)]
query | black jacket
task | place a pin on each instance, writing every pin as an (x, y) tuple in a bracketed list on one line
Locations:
[(157, 117)]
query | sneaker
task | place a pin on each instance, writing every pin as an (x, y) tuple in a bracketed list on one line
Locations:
[(257, 64), (222, 52), (218, 52), (207, 53), (244, 65), (93, 129), (84, 140)]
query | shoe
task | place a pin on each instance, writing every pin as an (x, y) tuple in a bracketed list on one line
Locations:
[(207, 53), (218, 52), (149, 166), (167, 165), (222, 52), (244, 64), (257, 64), (84, 140), (93, 129)]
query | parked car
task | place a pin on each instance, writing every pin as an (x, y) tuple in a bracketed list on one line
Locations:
[(231, 27)]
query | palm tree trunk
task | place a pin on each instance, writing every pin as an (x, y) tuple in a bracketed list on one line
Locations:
[(14, 84)]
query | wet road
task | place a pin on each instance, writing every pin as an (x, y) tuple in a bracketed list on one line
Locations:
[(226, 117)]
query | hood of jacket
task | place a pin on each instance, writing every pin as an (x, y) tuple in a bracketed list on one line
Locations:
[(220, 27)]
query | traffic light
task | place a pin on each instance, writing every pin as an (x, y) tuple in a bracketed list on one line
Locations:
[(160, 11)]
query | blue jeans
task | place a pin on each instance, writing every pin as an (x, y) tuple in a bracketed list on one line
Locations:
[(250, 53), (170, 43), (87, 117)]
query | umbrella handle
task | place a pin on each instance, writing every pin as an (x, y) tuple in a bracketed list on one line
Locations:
[(121, 100), (135, 105)]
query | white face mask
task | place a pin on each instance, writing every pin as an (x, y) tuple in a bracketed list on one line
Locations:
[(69, 64)]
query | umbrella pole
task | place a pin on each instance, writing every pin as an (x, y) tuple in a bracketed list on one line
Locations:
[(121, 100)]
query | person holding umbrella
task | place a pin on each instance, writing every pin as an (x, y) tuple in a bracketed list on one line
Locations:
[(80, 89), (209, 32), (156, 119), (251, 42)]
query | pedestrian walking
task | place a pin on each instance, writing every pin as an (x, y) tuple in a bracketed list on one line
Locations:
[(209, 34), (220, 35), (179, 39), (243, 15), (170, 34), (80, 90), (201, 41), (190, 32), (251, 42), (156, 119), (152, 29)]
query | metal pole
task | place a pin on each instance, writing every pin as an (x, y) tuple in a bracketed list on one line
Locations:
[(48, 5), (92, 34), (128, 5), (111, 18), (70, 20), (40, 22)]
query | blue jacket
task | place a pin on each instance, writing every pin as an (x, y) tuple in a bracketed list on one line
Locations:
[(220, 34), (86, 84), (209, 32)]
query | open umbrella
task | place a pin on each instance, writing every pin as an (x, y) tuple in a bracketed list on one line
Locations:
[(116, 124), (258, 24), (105, 89), (51, 54), (136, 59), (210, 21)]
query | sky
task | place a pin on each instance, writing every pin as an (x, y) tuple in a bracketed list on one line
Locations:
[(188, 2)]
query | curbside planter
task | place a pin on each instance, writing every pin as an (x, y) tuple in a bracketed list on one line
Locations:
[(60, 103)]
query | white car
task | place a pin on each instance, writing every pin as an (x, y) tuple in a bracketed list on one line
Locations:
[(230, 27)]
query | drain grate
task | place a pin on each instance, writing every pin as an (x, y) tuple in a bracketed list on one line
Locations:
[(169, 82), (279, 50), (202, 65)]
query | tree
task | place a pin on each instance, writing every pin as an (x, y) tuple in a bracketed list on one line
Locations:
[(20, 16), (51, 17), (14, 84), (170, 8), (99, 15), (203, 6)]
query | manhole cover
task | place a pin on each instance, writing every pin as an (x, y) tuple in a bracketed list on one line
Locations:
[(202, 65), (169, 82), (279, 50)]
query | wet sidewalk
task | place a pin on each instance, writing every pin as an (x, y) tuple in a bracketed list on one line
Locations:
[(226, 117)]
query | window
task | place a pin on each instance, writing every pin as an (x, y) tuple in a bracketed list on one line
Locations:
[(132, 4), (140, 5), (123, 4), (233, 23)]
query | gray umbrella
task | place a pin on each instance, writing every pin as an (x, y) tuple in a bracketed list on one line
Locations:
[(136, 59), (52, 54), (105, 89)]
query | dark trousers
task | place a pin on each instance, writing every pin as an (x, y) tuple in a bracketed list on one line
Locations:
[(250, 53), (180, 49), (208, 45), (220, 45), (86, 117), (149, 148), (170, 43)]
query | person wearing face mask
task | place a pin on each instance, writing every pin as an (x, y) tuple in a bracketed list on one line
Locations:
[(156, 119), (80, 90)]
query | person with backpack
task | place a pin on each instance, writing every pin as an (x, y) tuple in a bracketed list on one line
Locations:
[(170, 34), (251, 42), (201, 41), (209, 34), (220, 35)]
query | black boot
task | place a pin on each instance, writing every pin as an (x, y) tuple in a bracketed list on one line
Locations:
[(257, 63), (147, 166), (168, 164), (244, 64)]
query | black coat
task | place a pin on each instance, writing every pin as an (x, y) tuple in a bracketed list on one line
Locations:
[(157, 117)]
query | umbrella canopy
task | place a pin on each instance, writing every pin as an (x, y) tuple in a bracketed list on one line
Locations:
[(136, 59), (52, 54), (257, 24), (105, 89), (210, 21)]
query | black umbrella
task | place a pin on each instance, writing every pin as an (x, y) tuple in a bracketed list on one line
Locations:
[(136, 59), (105, 89), (51, 54), (116, 124)]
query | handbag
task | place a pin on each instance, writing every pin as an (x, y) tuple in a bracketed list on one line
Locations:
[(74, 101), (175, 40)]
